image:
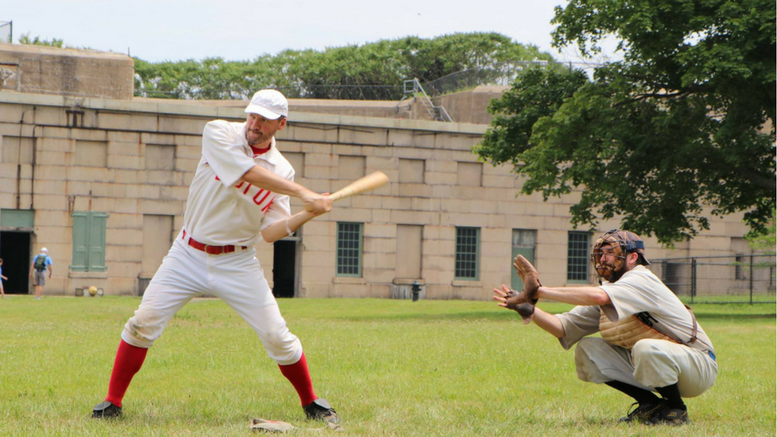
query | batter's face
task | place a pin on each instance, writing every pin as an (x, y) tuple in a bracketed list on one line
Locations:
[(259, 130)]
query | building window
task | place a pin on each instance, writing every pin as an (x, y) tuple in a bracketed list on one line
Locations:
[(739, 273), (411, 171), (469, 174), (160, 157), (89, 241), (351, 167), (349, 249), (91, 153), (578, 256), (467, 243)]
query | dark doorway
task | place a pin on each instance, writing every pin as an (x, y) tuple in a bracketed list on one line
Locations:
[(15, 252), (284, 268)]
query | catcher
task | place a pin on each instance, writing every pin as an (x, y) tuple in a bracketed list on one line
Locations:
[(650, 341)]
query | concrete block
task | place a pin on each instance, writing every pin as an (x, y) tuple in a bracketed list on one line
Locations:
[(414, 217), (164, 177), (81, 173), (437, 178), (127, 205), (148, 206), (123, 237), (415, 190), (187, 165), (124, 221), (43, 157), (362, 135), (311, 133), (174, 193), (123, 253), (126, 162), (103, 204)]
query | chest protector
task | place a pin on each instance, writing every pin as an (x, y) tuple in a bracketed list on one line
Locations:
[(628, 331)]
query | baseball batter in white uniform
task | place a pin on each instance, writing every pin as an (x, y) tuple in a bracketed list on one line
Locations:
[(650, 340), (240, 192)]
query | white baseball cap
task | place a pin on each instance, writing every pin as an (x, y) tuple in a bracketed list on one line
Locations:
[(270, 104), (44, 250)]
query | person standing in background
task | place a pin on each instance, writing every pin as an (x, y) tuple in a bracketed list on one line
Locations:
[(41, 264)]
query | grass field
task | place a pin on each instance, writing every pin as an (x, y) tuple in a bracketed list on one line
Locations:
[(390, 368)]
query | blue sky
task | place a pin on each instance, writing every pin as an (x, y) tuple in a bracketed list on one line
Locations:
[(159, 30)]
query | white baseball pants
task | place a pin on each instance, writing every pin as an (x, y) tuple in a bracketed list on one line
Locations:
[(234, 277), (656, 363)]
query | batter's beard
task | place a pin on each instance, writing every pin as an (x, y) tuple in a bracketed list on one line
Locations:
[(258, 140)]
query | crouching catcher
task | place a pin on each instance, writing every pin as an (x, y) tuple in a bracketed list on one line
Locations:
[(651, 342)]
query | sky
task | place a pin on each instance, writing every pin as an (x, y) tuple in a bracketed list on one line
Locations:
[(173, 30)]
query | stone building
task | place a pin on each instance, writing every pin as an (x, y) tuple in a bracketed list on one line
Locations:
[(101, 180)]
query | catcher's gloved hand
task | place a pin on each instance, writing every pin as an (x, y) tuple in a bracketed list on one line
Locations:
[(529, 276), (521, 304)]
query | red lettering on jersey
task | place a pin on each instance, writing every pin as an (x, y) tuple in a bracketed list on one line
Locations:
[(263, 198), (217, 178), (247, 188), (264, 210), (239, 185)]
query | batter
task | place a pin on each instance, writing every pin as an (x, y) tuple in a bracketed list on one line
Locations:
[(650, 340), (240, 192)]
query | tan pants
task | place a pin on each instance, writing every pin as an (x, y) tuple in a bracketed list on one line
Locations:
[(650, 364)]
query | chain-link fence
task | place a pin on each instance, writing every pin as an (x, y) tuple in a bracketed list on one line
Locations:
[(719, 279), (503, 74), (335, 92), (6, 31)]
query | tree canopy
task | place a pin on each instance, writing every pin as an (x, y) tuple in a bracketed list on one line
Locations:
[(682, 127), (370, 71)]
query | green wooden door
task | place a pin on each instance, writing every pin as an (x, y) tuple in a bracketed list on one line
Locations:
[(524, 243)]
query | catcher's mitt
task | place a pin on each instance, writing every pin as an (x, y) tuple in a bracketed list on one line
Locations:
[(524, 302), (529, 276)]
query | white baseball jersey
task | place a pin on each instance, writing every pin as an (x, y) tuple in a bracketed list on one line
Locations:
[(222, 209), (636, 291)]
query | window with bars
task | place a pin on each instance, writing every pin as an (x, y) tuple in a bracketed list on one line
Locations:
[(467, 243), (349, 249), (578, 248)]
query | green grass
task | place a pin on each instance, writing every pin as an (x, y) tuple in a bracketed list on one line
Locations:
[(390, 368)]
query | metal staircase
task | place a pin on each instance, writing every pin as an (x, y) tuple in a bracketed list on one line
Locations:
[(438, 113)]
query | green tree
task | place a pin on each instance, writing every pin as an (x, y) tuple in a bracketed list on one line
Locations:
[(682, 127), (25, 39), (370, 71)]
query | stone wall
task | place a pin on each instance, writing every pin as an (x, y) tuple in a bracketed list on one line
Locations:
[(104, 160), (65, 72)]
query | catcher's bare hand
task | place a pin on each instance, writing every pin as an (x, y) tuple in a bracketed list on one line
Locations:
[(529, 276), (509, 299)]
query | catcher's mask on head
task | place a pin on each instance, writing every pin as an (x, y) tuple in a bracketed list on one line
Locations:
[(620, 243)]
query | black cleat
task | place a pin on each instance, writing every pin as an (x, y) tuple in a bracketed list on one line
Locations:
[(642, 413), (321, 410), (106, 410), (670, 416)]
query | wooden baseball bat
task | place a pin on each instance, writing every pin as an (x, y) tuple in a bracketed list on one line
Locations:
[(367, 183)]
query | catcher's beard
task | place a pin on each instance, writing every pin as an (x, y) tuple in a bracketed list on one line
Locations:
[(611, 273)]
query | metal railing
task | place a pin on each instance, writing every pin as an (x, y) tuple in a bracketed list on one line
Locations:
[(413, 86), (747, 278)]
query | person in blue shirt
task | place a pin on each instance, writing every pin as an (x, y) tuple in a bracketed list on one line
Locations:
[(41, 264)]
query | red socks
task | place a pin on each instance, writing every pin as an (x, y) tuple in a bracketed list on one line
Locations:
[(128, 361), (299, 376)]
